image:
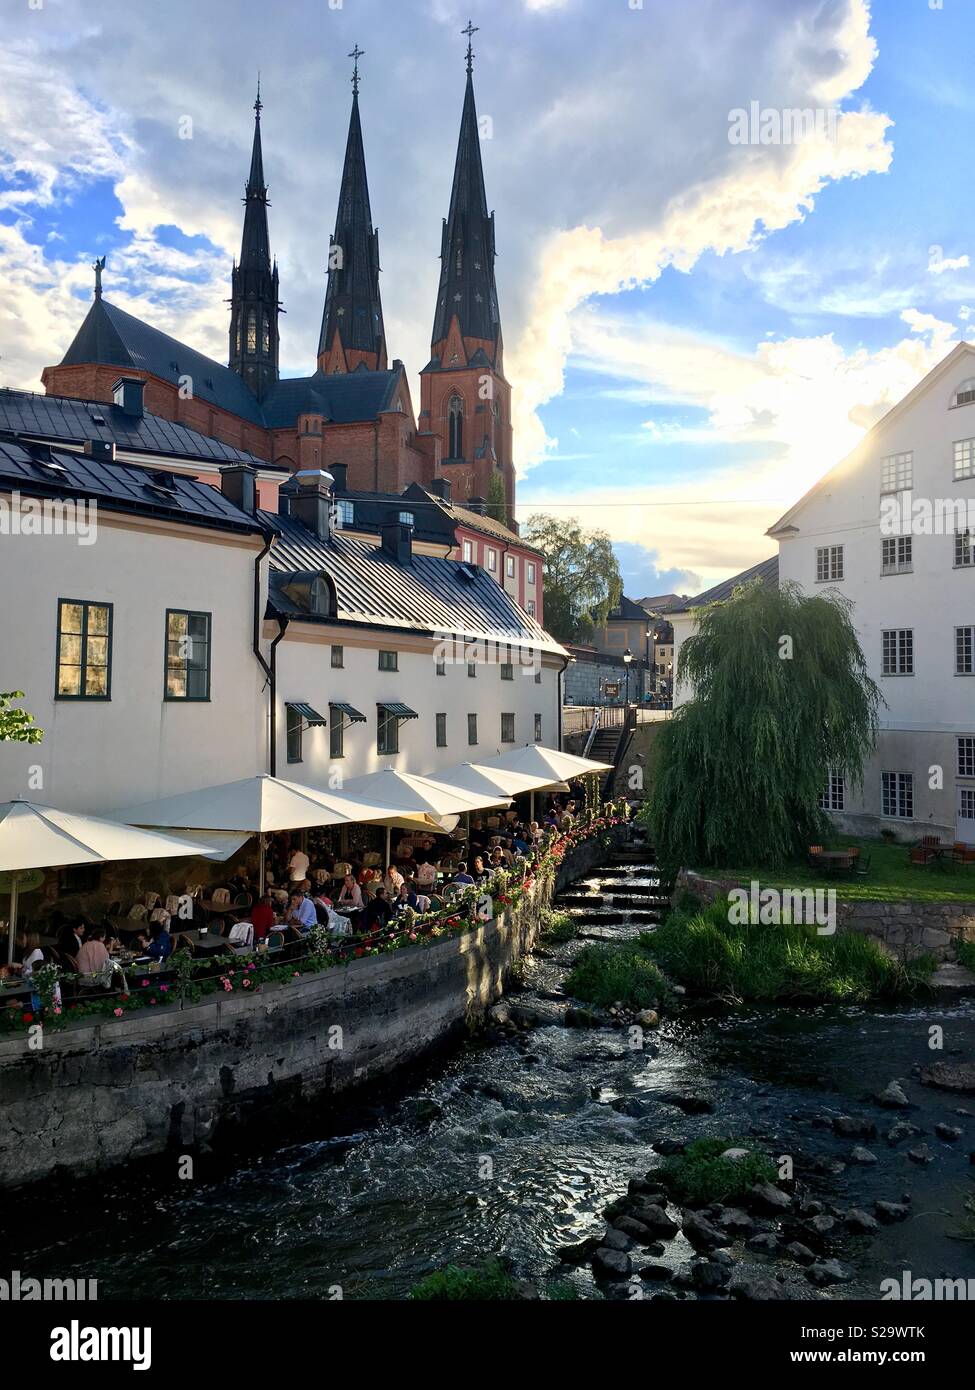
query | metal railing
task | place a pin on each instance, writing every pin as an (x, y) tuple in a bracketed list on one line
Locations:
[(578, 719)]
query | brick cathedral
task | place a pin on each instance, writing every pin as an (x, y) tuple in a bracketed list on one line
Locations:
[(355, 410)]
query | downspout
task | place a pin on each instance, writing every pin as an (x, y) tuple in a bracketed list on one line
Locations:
[(565, 662), (283, 623), (375, 453)]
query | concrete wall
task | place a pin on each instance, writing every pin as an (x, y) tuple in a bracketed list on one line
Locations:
[(102, 1094), (583, 681), (907, 930)]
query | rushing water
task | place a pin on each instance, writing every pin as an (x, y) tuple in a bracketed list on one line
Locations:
[(513, 1148)]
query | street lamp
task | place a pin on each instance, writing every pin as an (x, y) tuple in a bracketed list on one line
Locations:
[(627, 658)]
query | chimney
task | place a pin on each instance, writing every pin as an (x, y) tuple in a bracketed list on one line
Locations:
[(127, 393), (101, 449), (397, 541), (311, 500), (340, 472), (476, 504), (440, 487), (238, 483)]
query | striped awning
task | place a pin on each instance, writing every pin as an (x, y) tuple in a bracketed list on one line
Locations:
[(397, 710), (311, 716), (350, 712)]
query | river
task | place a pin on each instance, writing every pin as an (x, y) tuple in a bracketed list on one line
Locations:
[(513, 1147)]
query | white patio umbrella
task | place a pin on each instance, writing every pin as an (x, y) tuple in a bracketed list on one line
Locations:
[(419, 796), (259, 805), (548, 765), (42, 837)]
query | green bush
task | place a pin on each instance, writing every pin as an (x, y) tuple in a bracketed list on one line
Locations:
[(966, 954), (606, 975), (749, 962), (487, 1283), (558, 926), (700, 1175)]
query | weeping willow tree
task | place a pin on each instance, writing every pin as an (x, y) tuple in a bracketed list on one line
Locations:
[(781, 695)]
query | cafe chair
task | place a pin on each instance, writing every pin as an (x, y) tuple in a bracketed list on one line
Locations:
[(138, 912), (151, 900), (342, 867), (918, 855), (242, 936)]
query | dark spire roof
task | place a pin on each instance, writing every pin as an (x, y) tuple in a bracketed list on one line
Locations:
[(255, 247), (352, 302), (467, 286)]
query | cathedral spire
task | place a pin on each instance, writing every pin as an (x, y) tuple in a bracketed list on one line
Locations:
[(254, 294), (352, 324), (467, 288)]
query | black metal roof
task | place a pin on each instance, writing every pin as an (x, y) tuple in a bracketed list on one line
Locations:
[(342, 397), (627, 611), (467, 286), (118, 487), (62, 418), (431, 595), (353, 307), (767, 571)]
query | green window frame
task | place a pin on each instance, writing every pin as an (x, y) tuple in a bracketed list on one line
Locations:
[(388, 661), (387, 731), (294, 731), (336, 733), (83, 669), (187, 675)]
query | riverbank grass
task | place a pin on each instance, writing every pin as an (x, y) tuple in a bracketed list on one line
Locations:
[(700, 1175), (607, 975), (748, 962), (486, 1283), (890, 878)]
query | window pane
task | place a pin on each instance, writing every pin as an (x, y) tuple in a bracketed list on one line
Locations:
[(96, 680), (71, 617), (69, 680), (97, 619)]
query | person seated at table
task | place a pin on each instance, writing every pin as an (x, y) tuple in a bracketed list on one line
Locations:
[(240, 883), (405, 898), (28, 946), (263, 917), (68, 944), (478, 869), (426, 875), (350, 896), (161, 943), (366, 875), (378, 911), (462, 876), (93, 955), (497, 858), (392, 880), (301, 916)]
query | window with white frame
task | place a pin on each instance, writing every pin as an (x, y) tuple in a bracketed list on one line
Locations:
[(531, 572), (509, 566), (407, 519), (896, 554), (897, 472), (897, 795), (344, 513), (898, 651), (965, 651), (530, 607), (964, 549), (829, 563), (468, 552), (833, 795), (492, 560), (966, 803), (965, 393), (964, 459), (966, 755)]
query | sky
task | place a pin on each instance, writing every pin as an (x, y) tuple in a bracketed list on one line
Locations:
[(696, 327)]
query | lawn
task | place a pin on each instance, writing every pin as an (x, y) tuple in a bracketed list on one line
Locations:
[(891, 878)]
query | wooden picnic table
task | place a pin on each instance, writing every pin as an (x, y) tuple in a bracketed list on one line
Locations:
[(836, 859)]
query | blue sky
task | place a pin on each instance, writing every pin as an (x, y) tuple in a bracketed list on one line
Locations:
[(694, 330)]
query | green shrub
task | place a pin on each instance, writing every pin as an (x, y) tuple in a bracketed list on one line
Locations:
[(606, 975), (700, 1175), (751, 962), (966, 954), (558, 926), (558, 1291), (487, 1283)]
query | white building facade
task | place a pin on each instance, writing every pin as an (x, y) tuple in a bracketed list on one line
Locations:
[(892, 527)]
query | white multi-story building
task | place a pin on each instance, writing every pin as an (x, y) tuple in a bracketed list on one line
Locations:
[(173, 635), (892, 527)]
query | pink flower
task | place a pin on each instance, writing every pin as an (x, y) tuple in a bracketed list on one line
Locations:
[(163, 988), (247, 984), (145, 984), (118, 1013)]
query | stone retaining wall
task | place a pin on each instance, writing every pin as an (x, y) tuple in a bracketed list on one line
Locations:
[(101, 1094), (906, 929)]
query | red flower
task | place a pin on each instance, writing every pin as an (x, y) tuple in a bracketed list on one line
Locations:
[(28, 1018)]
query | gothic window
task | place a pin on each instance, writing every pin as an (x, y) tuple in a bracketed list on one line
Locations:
[(460, 258), (266, 336), (252, 331), (237, 335), (455, 428)]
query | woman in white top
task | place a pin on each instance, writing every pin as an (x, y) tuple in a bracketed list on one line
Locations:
[(350, 895)]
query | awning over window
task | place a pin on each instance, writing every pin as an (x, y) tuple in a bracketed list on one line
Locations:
[(399, 711), (351, 713), (311, 716)]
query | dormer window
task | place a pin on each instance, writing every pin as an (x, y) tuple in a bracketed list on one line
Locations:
[(965, 394)]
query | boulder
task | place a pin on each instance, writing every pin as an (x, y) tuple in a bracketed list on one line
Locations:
[(656, 1274), (701, 1233), (615, 1239), (950, 1076), (755, 1285), (648, 1018), (892, 1211), (658, 1223), (735, 1221), (688, 1101), (862, 1156), (708, 1277), (611, 1264), (860, 1222), (576, 1017), (764, 1197), (894, 1097), (920, 1154), (825, 1272), (901, 1130), (799, 1252), (763, 1245), (633, 1229), (947, 1132), (667, 1147), (736, 1155), (854, 1127)]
